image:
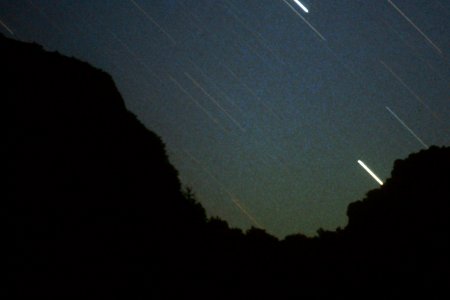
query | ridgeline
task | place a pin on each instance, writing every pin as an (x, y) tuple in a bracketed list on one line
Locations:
[(95, 210)]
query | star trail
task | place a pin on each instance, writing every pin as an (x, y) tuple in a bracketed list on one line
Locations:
[(265, 106), (371, 173)]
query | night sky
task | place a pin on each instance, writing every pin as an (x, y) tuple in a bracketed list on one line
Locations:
[(266, 109)]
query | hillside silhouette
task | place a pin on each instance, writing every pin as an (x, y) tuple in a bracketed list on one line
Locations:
[(95, 210)]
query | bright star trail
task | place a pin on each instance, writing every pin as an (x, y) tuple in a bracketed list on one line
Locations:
[(264, 106), (362, 164), (301, 6)]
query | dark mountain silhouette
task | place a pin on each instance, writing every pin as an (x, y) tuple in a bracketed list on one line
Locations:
[(90, 190), (94, 209), (403, 228)]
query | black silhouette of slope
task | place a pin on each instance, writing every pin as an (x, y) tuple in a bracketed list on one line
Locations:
[(418, 188), (95, 210), (396, 243), (401, 231), (90, 191)]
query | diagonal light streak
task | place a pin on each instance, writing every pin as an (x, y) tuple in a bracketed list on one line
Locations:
[(233, 198), (204, 74), (237, 202), (153, 21), (415, 26), (208, 114), (435, 115), (135, 56), (261, 40), (198, 85), (304, 20), (370, 172), (267, 107), (6, 27), (301, 6), (406, 127)]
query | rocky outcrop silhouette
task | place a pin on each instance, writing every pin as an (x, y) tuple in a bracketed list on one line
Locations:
[(94, 209)]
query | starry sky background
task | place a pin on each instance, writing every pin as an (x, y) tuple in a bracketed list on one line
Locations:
[(265, 110)]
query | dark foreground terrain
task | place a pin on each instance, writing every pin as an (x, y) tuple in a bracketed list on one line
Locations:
[(94, 210)]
